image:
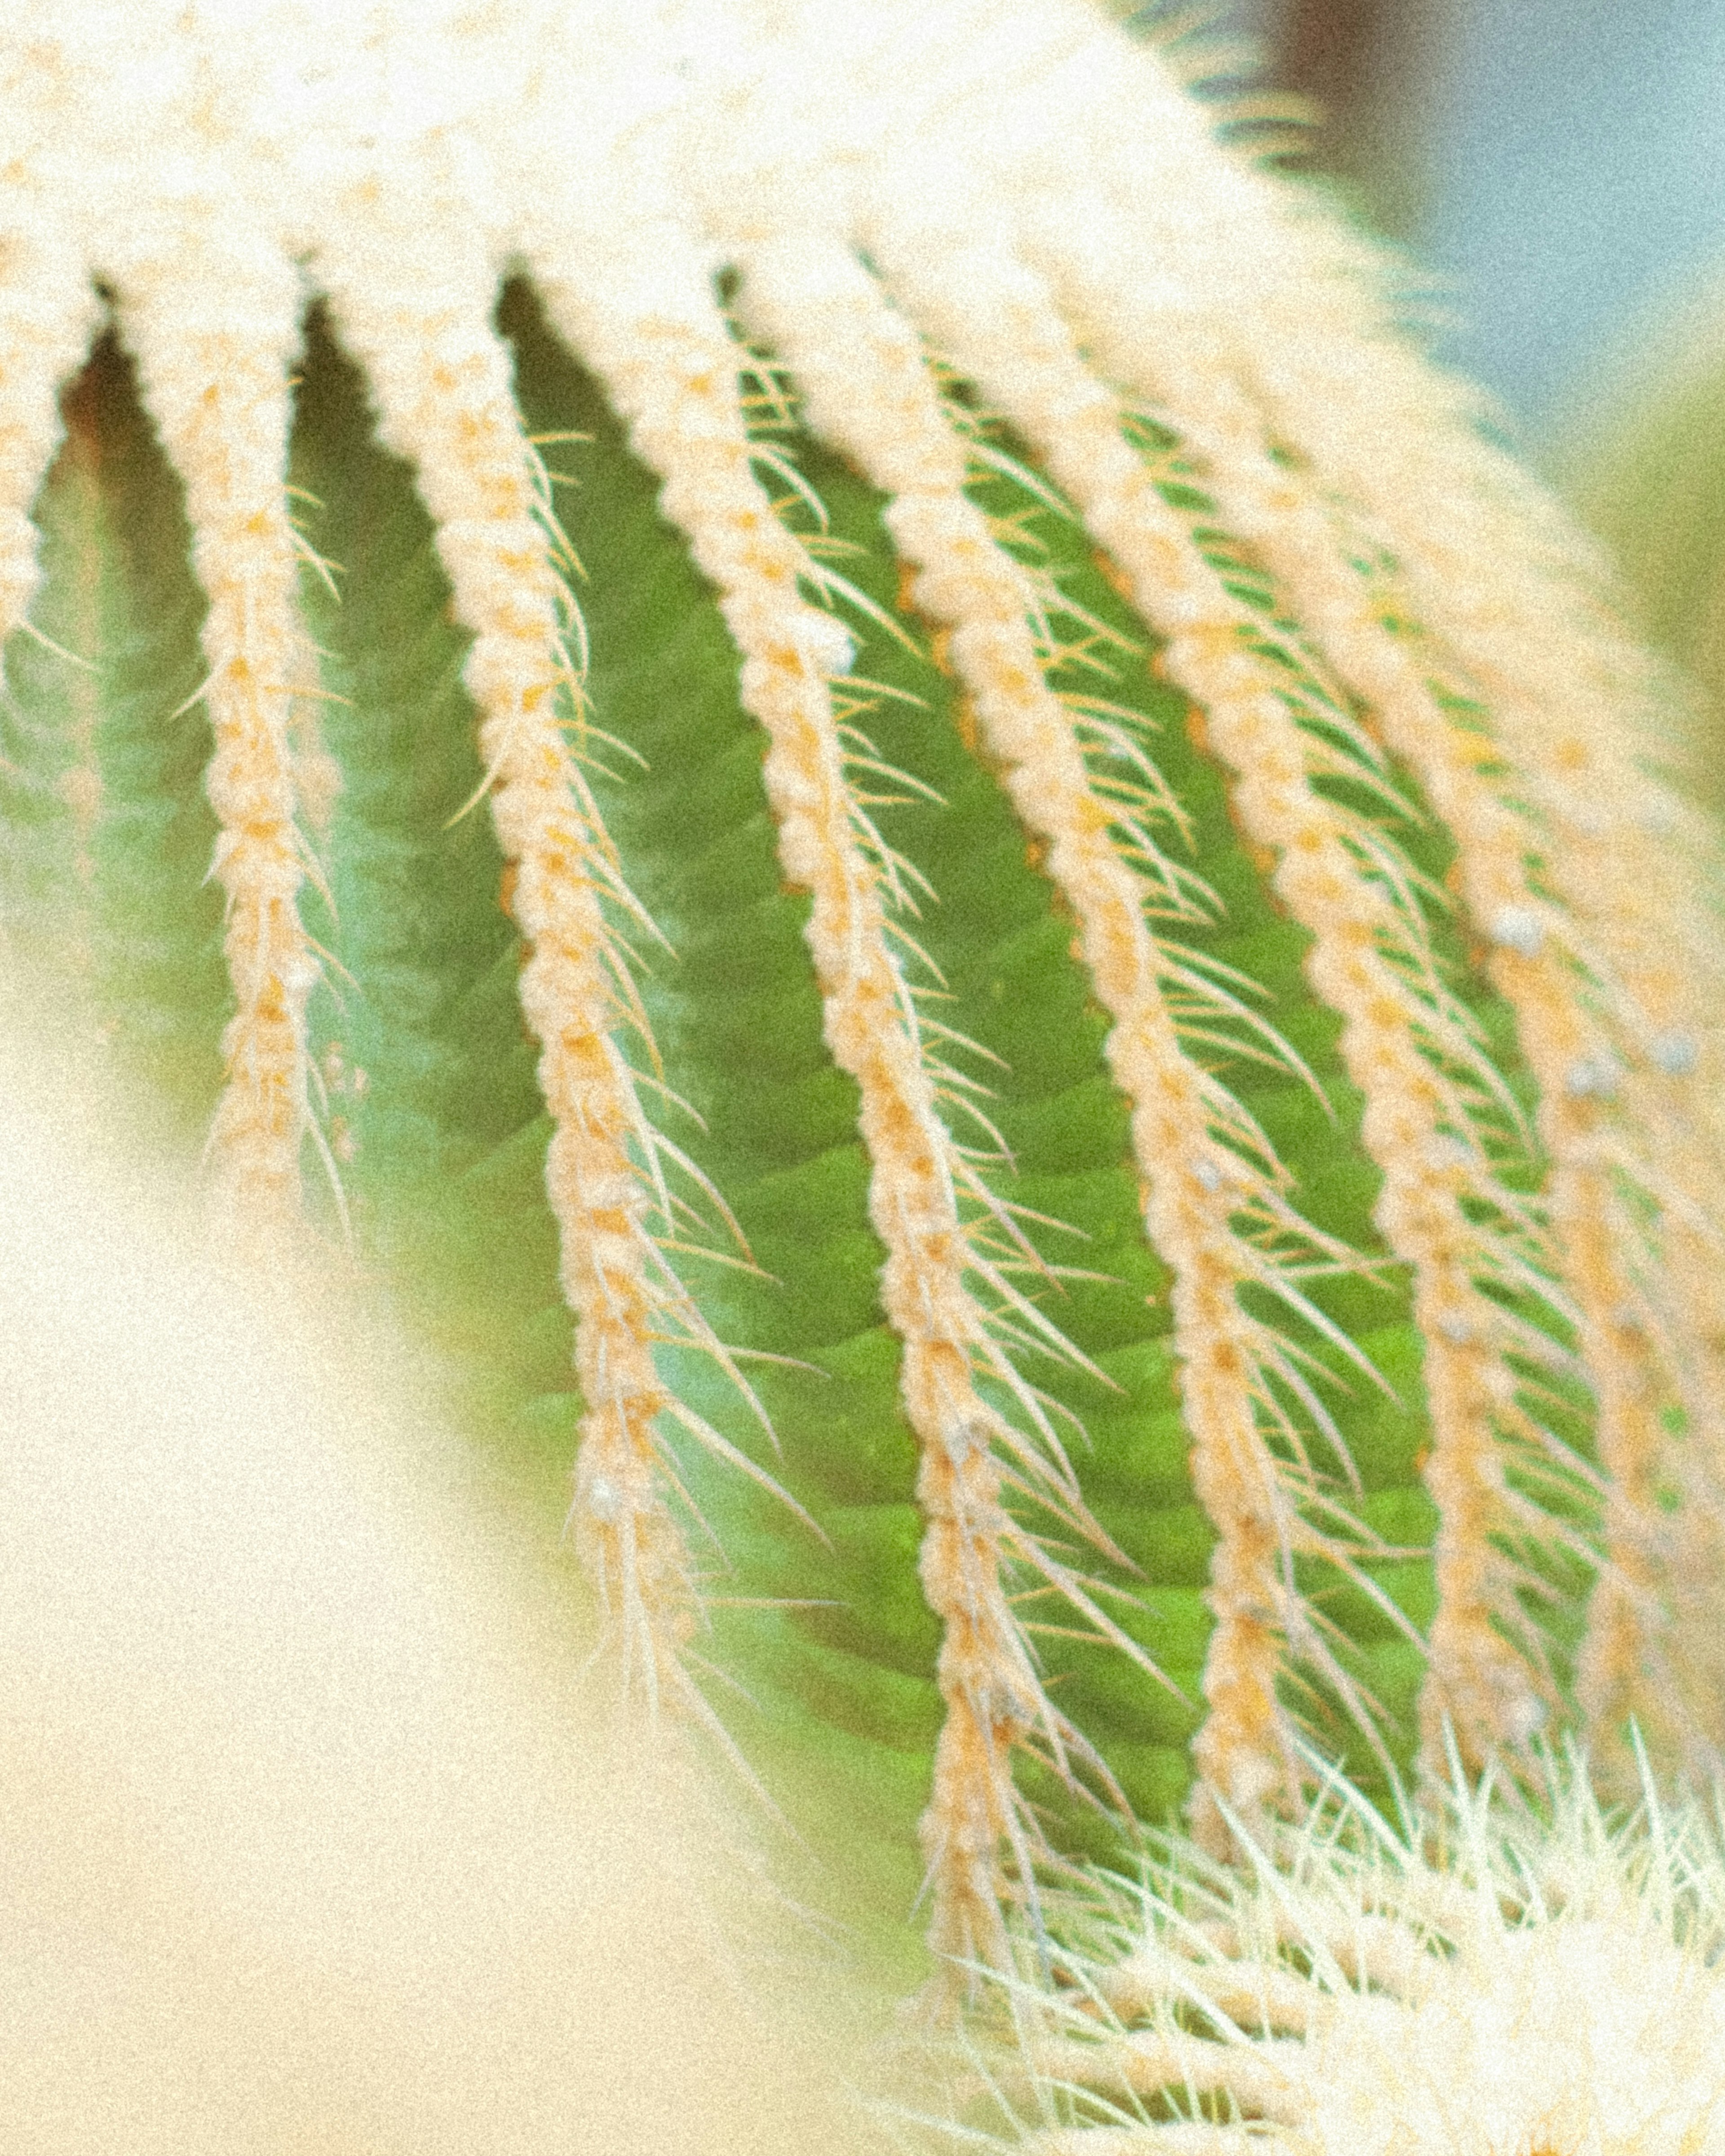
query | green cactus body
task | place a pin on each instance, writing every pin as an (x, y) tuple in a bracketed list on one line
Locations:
[(1204, 1030)]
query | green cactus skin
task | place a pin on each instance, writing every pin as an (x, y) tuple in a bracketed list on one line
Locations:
[(1524, 1202), (443, 1184), (445, 1181)]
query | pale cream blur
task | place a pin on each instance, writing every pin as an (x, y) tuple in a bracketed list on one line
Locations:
[(312, 1840)]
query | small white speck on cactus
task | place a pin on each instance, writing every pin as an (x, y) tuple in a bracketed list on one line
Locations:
[(1007, 698)]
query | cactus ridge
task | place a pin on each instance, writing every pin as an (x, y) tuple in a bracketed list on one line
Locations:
[(1103, 573)]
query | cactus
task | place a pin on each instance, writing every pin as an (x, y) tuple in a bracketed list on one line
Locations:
[(1476, 1976), (820, 722)]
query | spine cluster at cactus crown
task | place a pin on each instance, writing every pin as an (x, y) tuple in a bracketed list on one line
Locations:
[(981, 660)]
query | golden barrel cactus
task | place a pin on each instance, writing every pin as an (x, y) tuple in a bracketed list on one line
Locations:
[(820, 722)]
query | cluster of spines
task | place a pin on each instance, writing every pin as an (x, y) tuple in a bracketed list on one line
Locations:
[(1209, 1175), (1360, 1977), (1506, 693), (439, 375), (673, 374), (1047, 328)]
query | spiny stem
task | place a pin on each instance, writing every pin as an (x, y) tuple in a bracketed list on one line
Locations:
[(996, 320), (860, 367), (672, 369), (212, 347), (441, 379)]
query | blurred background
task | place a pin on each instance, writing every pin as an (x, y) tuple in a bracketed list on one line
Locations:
[(1555, 169), (1558, 165)]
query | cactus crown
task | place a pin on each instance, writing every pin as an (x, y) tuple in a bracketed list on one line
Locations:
[(921, 399)]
